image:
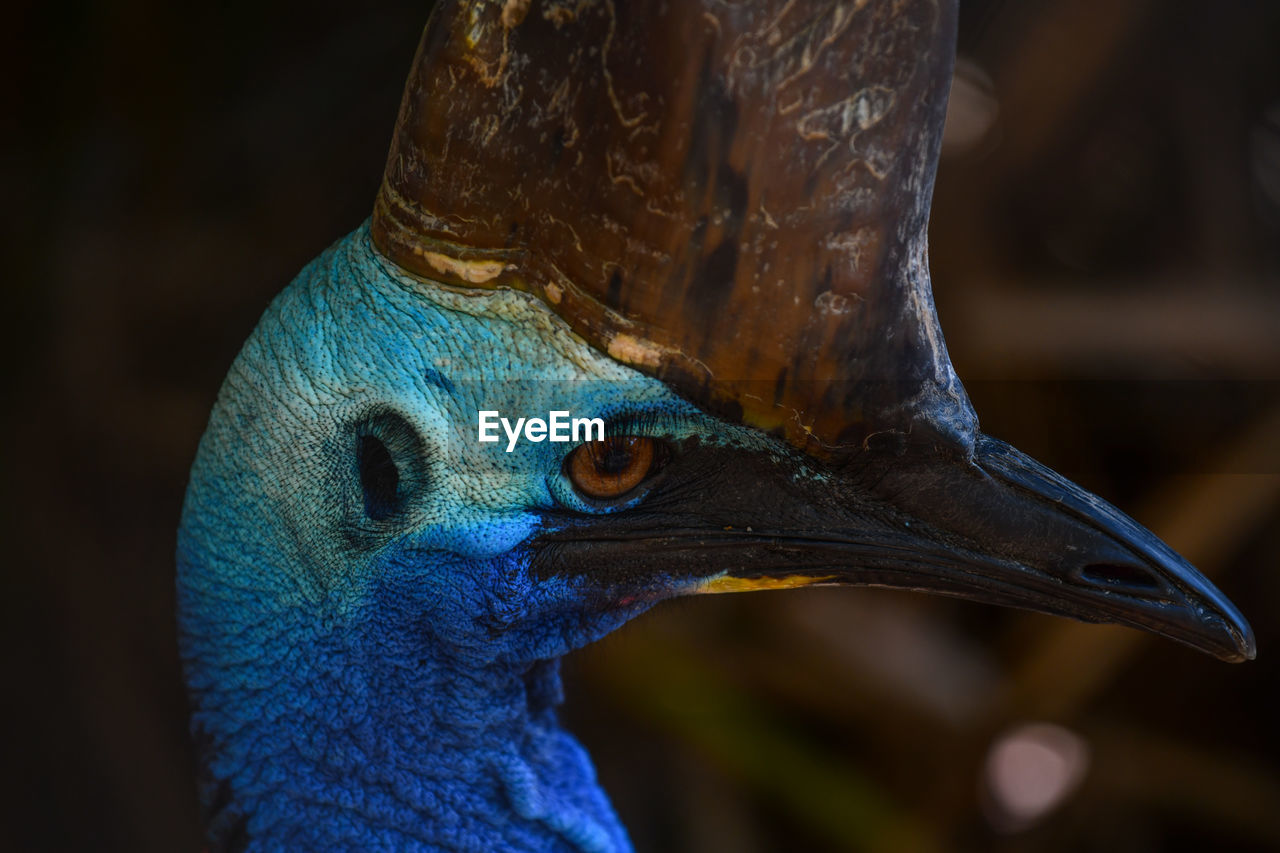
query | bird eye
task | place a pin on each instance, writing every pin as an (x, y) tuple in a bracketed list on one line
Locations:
[(614, 466), (379, 478)]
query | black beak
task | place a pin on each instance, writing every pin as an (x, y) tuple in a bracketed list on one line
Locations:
[(992, 526)]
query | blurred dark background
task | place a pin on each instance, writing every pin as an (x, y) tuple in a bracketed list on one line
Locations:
[(1106, 256)]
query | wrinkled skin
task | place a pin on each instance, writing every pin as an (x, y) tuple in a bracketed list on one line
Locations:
[(391, 681)]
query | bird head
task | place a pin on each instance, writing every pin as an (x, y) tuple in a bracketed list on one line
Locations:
[(701, 225), (342, 476)]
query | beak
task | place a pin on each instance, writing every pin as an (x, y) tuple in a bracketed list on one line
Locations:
[(992, 526)]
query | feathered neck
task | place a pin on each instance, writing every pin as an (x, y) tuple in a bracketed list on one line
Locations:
[(369, 731)]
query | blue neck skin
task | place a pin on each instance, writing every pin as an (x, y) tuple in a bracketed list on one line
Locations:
[(391, 684)]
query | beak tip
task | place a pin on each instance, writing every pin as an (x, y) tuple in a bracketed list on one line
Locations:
[(1240, 643), (1234, 640), (1246, 645)]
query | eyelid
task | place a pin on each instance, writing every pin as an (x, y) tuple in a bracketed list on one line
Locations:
[(663, 427)]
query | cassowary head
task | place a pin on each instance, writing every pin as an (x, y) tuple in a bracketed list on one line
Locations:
[(702, 225)]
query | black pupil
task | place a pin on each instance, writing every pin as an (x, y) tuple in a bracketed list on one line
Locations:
[(379, 478), (615, 457)]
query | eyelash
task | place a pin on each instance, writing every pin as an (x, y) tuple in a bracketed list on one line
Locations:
[(649, 424)]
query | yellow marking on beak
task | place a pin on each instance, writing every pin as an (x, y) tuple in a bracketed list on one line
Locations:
[(725, 583)]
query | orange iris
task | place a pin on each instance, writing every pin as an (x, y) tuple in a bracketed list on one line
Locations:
[(613, 467)]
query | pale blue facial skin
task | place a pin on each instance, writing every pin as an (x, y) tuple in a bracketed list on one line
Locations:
[(391, 683)]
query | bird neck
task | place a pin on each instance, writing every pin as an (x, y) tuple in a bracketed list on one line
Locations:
[(322, 730)]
